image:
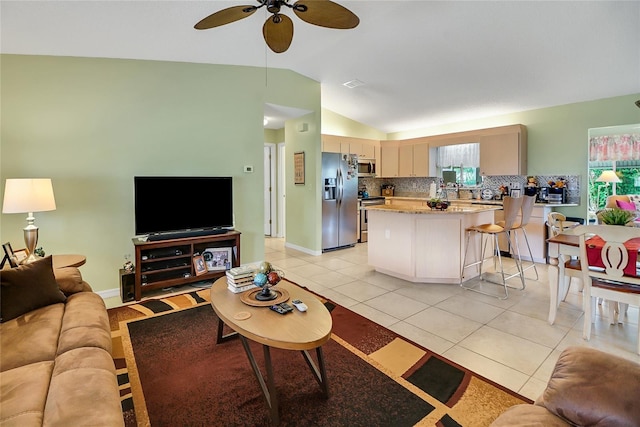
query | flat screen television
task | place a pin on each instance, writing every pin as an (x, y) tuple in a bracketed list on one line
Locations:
[(165, 204)]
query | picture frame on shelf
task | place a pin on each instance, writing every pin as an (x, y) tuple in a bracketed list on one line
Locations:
[(8, 256), (218, 259), (515, 192), (199, 265)]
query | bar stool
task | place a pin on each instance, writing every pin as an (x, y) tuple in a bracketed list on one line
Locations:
[(511, 207), (526, 210)]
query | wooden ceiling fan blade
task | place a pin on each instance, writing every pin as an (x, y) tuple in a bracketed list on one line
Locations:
[(278, 32), (325, 13), (225, 16)]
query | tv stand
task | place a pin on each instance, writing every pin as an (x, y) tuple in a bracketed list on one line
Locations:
[(168, 262), (185, 233)]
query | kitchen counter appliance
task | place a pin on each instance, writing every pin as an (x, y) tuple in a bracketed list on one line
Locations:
[(339, 201), (364, 215), (366, 167)]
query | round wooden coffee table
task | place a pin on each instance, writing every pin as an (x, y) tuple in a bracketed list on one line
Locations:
[(297, 330)]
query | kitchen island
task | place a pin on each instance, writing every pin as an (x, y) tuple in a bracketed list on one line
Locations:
[(418, 244)]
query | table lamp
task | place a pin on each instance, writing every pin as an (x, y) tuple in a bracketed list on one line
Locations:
[(29, 196), (607, 177)]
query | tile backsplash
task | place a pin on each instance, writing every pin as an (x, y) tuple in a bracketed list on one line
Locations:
[(419, 187)]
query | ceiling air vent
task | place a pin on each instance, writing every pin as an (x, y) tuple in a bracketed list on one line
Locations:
[(353, 83)]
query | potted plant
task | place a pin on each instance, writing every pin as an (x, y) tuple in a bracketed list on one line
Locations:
[(616, 216)]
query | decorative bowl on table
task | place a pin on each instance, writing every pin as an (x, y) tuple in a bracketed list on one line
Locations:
[(438, 204)]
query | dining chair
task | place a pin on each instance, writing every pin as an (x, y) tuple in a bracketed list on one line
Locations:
[(569, 267), (612, 279), (489, 234)]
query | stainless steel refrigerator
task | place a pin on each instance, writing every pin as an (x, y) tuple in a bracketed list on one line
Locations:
[(339, 200)]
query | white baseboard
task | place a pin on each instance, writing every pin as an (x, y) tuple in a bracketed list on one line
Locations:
[(109, 293), (301, 249)]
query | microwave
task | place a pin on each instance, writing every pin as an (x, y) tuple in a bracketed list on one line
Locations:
[(366, 167)]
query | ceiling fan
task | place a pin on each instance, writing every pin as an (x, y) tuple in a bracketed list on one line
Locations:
[(278, 28)]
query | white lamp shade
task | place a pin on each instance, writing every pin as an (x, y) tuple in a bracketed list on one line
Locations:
[(608, 176), (28, 195)]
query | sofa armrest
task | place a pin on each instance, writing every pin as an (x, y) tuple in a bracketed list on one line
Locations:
[(590, 387), (70, 281)]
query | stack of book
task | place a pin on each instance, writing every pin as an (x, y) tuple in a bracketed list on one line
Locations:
[(240, 279)]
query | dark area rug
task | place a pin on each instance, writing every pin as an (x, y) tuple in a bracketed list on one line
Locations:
[(173, 373)]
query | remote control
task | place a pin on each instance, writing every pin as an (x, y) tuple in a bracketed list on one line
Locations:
[(299, 305), (278, 309), (281, 308), (286, 307)]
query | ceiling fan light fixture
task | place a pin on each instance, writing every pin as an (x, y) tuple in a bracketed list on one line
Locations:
[(278, 29)]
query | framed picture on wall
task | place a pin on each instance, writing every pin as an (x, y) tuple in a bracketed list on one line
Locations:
[(298, 168)]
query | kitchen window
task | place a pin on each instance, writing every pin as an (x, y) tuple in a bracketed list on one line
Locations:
[(463, 159)]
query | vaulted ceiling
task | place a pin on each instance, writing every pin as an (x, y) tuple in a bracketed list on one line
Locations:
[(422, 63)]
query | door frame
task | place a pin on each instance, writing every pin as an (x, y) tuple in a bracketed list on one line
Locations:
[(270, 225)]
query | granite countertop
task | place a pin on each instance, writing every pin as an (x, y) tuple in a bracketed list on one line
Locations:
[(453, 209), (478, 201)]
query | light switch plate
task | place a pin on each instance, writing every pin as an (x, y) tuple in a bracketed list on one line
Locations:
[(248, 169)]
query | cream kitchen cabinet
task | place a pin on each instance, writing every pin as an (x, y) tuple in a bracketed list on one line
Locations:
[(334, 144), (363, 148), (388, 167), (413, 160), (503, 154)]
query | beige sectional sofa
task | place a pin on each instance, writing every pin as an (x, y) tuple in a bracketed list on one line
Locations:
[(588, 387), (56, 367)]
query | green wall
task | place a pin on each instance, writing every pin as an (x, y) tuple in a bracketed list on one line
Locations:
[(93, 124)]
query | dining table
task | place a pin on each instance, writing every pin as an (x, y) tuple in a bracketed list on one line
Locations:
[(566, 246)]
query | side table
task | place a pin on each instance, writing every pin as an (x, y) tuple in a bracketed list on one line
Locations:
[(61, 261)]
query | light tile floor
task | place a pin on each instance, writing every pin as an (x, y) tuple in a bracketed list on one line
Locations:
[(508, 341)]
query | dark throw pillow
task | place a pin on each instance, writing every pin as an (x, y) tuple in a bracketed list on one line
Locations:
[(27, 288)]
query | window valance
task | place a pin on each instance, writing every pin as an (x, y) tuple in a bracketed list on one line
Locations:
[(625, 147), (467, 155)]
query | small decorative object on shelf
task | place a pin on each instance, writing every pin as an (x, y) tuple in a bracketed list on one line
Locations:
[(128, 267), (558, 184), (39, 251), (504, 191)]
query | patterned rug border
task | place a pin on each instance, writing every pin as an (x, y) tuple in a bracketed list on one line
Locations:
[(139, 402), (137, 395)]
